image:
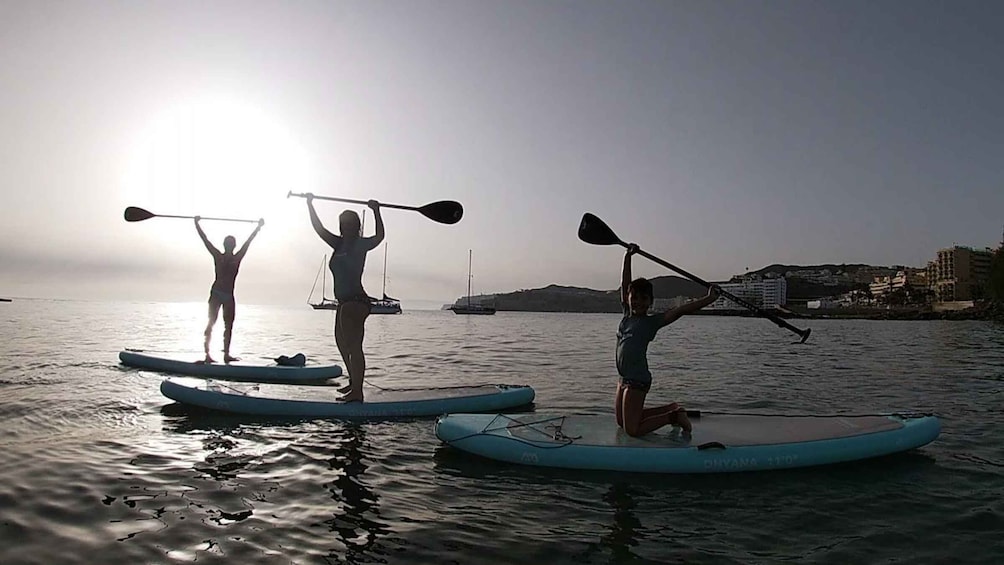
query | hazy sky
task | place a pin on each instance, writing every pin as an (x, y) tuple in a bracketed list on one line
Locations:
[(718, 135)]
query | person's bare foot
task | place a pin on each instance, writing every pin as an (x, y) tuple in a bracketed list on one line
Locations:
[(229, 359), (352, 397), (681, 419), (209, 359)]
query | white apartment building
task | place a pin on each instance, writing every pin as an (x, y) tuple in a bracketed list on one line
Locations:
[(762, 293)]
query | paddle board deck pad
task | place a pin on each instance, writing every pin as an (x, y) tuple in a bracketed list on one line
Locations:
[(319, 402), (233, 371), (720, 443)]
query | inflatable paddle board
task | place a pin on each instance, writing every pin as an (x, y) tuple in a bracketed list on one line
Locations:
[(233, 371), (720, 443), (319, 402)]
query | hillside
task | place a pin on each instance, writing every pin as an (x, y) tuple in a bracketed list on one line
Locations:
[(779, 269), (808, 282), (556, 298)]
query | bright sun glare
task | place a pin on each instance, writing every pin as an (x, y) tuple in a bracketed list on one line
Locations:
[(213, 157)]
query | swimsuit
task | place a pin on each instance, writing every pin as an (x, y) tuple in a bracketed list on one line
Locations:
[(633, 337), (346, 266), (221, 296)]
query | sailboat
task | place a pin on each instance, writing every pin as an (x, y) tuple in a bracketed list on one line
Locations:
[(325, 303), (385, 305), (470, 308)]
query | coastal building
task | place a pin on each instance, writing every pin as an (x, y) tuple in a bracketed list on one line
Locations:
[(866, 275), (959, 274), (761, 292), (822, 303), (908, 279)]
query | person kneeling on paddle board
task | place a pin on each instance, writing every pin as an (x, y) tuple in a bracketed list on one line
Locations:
[(348, 258), (636, 330), (221, 295)]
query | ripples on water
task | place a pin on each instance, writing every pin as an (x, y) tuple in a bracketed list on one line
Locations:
[(98, 467)]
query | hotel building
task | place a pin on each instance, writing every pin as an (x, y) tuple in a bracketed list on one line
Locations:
[(762, 293), (959, 274)]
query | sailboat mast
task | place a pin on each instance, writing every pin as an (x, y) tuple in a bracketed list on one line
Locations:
[(323, 278), (384, 270), (470, 258), (320, 274)]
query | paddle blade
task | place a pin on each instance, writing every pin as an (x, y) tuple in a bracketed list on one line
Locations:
[(593, 230), (134, 214), (444, 211)]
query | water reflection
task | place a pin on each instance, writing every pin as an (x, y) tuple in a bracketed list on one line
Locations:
[(592, 493), (285, 465), (183, 419), (625, 529), (355, 517)]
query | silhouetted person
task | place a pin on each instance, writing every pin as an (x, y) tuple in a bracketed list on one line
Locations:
[(222, 292), (348, 258)]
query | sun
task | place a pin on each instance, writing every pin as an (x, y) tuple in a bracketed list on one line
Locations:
[(213, 157)]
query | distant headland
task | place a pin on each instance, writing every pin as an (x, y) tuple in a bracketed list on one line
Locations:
[(805, 284)]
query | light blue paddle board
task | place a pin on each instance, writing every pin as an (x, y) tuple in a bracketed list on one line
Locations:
[(233, 371), (720, 443), (319, 402)]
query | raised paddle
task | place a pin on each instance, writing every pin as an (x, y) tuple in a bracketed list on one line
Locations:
[(444, 211), (134, 214), (593, 230)]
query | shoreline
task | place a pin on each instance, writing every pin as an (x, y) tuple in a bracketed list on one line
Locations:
[(986, 312)]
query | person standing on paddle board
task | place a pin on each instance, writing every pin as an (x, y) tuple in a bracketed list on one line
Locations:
[(348, 258), (636, 330), (221, 295)]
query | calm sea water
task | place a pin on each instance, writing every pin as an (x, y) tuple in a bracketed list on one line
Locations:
[(98, 467)]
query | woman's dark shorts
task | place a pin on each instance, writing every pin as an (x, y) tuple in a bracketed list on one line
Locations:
[(636, 384)]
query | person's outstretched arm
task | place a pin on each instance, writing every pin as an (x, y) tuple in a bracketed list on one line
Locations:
[(328, 237), (244, 248), (378, 237), (689, 308), (626, 272), (205, 240)]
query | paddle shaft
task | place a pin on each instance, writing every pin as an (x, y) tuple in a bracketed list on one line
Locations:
[(352, 201), (137, 214), (804, 334), (206, 218)]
